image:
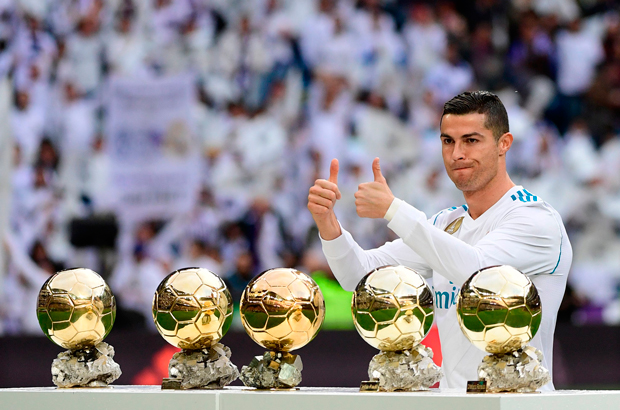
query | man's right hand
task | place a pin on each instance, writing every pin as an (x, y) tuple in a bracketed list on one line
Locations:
[(321, 200)]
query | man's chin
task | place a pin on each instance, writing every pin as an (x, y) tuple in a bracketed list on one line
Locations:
[(463, 186), (459, 183)]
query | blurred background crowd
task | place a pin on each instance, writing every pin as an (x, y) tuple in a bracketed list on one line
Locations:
[(280, 87)]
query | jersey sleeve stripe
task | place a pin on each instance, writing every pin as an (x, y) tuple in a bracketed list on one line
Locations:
[(561, 239), (437, 216), (528, 197)]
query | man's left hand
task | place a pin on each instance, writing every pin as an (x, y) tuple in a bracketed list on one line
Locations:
[(373, 199)]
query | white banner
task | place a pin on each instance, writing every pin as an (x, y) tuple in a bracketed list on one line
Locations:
[(6, 164), (154, 155)]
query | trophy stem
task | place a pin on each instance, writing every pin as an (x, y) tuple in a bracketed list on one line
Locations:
[(519, 371), (273, 370), (208, 368), (407, 370), (89, 367)]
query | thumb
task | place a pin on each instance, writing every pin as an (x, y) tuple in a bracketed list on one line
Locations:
[(376, 170), (333, 171)]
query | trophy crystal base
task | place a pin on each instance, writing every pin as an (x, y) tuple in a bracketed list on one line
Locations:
[(520, 371), (209, 368), (407, 370), (273, 370), (90, 367)]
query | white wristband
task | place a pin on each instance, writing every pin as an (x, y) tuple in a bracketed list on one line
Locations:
[(392, 209)]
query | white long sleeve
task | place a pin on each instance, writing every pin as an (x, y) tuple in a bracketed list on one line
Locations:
[(527, 238), (349, 262)]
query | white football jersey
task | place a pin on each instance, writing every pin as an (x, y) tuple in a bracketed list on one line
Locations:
[(519, 230)]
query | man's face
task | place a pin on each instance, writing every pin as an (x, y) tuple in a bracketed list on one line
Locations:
[(470, 153)]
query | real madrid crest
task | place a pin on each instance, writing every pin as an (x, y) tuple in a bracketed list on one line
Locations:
[(454, 225)]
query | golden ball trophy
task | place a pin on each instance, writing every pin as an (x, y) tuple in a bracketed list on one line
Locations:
[(282, 310), (392, 310), (192, 310), (76, 310), (499, 311)]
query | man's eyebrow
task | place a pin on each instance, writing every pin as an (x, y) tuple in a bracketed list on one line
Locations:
[(471, 134)]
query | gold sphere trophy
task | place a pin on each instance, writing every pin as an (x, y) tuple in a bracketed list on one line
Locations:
[(282, 310), (499, 311), (192, 310), (392, 310), (76, 310)]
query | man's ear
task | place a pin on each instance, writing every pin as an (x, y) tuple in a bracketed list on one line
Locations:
[(504, 143)]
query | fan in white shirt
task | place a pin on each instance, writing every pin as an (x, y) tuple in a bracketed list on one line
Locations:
[(501, 223)]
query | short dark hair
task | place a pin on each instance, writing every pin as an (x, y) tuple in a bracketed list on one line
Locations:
[(481, 102)]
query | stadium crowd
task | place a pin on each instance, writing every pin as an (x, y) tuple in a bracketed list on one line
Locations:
[(282, 87)]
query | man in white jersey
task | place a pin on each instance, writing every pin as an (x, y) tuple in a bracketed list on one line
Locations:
[(500, 224)]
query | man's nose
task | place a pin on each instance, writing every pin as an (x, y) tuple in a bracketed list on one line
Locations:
[(458, 151)]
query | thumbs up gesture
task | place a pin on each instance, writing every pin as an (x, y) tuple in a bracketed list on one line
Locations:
[(321, 200), (373, 199)]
